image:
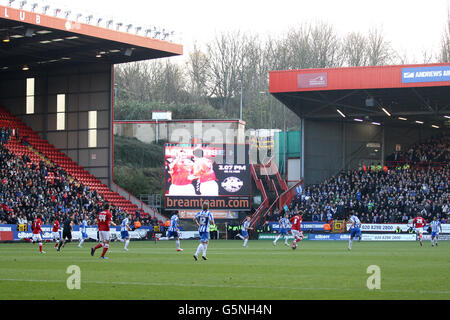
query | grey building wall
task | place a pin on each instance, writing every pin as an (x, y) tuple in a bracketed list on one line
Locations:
[(87, 88), (179, 131)]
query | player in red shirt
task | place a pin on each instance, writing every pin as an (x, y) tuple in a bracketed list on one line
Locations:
[(104, 219), (36, 227), (296, 231), (418, 224), (180, 170), (204, 174), (55, 232)]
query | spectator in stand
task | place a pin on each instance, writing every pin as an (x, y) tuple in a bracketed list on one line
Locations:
[(379, 195), (26, 191)]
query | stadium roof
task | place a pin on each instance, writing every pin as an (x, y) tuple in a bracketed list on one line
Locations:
[(417, 93), (39, 40)]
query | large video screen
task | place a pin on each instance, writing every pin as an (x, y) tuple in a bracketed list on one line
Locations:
[(195, 173)]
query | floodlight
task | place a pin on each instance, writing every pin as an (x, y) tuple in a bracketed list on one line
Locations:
[(385, 111), (129, 27), (138, 29), (45, 9), (34, 6), (99, 20), (88, 18), (10, 2), (22, 4), (109, 23), (341, 113), (67, 13), (118, 25), (29, 32), (6, 39)]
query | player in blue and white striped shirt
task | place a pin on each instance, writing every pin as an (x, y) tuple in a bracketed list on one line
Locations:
[(124, 234), (83, 231), (244, 231), (435, 229), (203, 219), (355, 229), (174, 230), (285, 225)]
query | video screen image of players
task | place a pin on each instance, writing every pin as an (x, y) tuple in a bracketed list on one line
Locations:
[(194, 171)]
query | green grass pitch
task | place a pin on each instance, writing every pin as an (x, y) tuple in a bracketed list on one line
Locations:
[(155, 271)]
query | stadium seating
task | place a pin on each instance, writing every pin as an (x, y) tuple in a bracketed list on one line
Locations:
[(410, 182), (38, 149)]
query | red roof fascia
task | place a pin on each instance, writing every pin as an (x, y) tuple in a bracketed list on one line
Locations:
[(353, 78)]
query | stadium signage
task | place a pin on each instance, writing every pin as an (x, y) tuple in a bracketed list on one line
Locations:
[(313, 226), (426, 74), (272, 236), (76, 234), (444, 237), (217, 215), (365, 237), (388, 227), (313, 80), (389, 237), (391, 227), (184, 235), (21, 15)]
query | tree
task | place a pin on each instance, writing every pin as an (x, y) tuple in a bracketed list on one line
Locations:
[(197, 70), (444, 55), (324, 46), (355, 50), (379, 51), (225, 55)]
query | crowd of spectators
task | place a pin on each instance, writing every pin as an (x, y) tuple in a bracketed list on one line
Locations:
[(383, 196), (433, 151), (26, 191)]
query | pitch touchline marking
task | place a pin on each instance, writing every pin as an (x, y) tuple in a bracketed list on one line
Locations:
[(224, 286)]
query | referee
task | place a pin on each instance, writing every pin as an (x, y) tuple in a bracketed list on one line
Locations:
[(67, 231)]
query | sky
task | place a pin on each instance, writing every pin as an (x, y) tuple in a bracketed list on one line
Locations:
[(412, 26)]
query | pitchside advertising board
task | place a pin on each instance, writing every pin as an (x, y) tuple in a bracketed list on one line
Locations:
[(365, 227), (365, 237), (392, 227), (217, 173), (9, 233), (345, 237)]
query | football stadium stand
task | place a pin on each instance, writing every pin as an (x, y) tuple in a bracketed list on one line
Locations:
[(411, 182), (38, 178)]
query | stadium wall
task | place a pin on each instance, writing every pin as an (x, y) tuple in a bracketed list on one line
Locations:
[(87, 87), (332, 146), (182, 131)]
